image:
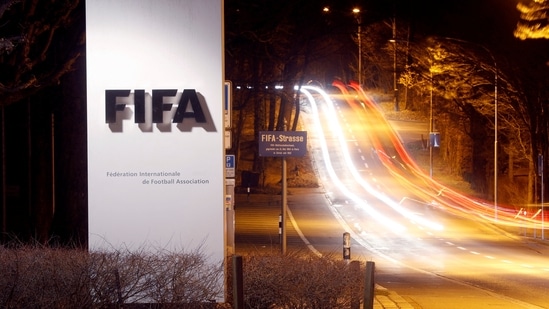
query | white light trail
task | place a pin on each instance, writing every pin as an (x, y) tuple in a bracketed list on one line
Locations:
[(394, 226), (334, 122)]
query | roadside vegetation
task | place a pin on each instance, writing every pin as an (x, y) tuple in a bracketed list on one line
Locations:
[(40, 277), (300, 280)]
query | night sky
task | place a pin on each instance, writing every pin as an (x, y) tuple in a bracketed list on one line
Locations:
[(487, 22), (479, 20)]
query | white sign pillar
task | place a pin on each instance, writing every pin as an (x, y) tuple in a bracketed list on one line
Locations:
[(156, 157)]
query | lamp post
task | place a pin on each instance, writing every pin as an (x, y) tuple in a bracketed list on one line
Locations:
[(356, 12), (495, 136), (431, 127), (395, 89), (495, 120), (432, 137)]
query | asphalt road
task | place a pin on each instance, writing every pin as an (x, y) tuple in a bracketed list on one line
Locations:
[(433, 256)]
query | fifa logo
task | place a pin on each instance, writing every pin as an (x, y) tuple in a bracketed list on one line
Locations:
[(162, 107)]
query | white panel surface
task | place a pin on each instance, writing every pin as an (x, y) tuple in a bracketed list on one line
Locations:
[(149, 45)]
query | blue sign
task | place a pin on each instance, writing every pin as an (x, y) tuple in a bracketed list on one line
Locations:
[(229, 161), (229, 166), (282, 143)]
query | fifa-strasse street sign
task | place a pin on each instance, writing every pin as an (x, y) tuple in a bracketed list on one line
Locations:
[(282, 143)]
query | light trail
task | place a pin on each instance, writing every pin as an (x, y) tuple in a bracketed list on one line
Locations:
[(336, 127), (396, 227), (429, 189), (470, 250)]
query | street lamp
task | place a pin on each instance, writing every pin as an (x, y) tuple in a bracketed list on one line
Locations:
[(495, 136), (432, 135), (356, 12), (431, 127), (395, 89)]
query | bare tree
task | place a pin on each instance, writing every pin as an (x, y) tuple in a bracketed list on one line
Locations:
[(534, 24), (31, 55), (271, 48), (40, 42), (466, 85)]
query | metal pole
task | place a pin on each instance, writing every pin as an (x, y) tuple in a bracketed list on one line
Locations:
[(395, 90), (4, 177), (369, 284), (238, 283), (356, 11), (495, 135), (542, 206), (359, 56), (284, 206), (354, 267), (431, 129)]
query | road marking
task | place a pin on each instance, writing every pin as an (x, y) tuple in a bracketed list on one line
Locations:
[(301, 235)]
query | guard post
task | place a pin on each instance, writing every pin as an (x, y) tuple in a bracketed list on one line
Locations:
[(346, 246)]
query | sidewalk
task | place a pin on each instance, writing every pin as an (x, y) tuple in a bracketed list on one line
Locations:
[(256, 230)]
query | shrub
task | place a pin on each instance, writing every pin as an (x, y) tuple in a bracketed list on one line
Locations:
[(39, 277), (296, 281), (165, 277), (43, 278)]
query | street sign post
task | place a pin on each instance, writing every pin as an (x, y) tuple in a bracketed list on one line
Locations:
[(283, 144)]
